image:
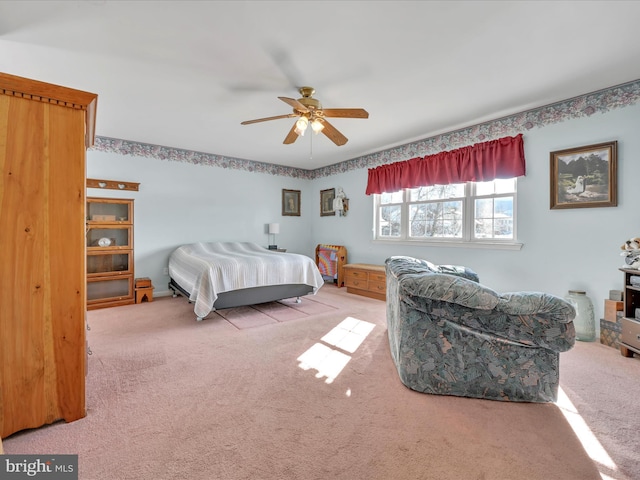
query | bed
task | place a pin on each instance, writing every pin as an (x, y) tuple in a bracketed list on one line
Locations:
[(216, 275)]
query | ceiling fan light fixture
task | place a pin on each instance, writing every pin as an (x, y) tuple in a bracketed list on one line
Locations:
[(301, 125), (308, 110), (317, 126)]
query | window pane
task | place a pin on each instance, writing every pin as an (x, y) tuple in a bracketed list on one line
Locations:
[(438, 219), (484, 218), (503, 217), (496, 187), (507, 185), (436, 192), (494, 218), (389, 221), (440, 212), (485, 188), (394, 197)]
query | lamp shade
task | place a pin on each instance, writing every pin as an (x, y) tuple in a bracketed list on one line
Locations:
[(302, 123), (317, 126), (274, 228)]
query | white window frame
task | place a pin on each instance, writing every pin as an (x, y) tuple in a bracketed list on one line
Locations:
[(467, 240)]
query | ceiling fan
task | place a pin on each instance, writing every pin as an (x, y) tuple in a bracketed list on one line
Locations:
[(310, 112)]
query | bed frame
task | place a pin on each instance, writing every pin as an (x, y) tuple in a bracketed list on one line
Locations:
[(249, 296)]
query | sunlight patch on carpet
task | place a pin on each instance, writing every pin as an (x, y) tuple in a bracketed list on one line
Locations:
[(349, 334), (329, 362), (592, 446)]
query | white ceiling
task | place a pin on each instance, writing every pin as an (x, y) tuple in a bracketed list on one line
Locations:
[(184, 74)]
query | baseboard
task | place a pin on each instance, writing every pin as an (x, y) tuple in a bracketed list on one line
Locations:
[(163, 293)]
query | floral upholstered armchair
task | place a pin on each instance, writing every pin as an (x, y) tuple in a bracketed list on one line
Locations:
[(450, 335)]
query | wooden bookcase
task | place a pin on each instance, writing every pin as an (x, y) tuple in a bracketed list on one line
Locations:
[(45, 130), (109, 252)]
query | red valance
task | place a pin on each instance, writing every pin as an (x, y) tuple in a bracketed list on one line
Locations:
[(482, 162)]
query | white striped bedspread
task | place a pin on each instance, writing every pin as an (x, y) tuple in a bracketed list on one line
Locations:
[(207, 269)]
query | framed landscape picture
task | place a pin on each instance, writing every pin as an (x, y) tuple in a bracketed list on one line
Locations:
[(291, 203), (584, 177), (326, 202)]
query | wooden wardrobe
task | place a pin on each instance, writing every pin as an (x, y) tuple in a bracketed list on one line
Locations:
[(45, 130)]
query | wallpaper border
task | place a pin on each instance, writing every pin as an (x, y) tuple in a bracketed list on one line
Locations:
[(586, 105)]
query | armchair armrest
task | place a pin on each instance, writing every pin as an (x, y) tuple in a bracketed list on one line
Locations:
[(536, 303), (530, 318), (539, 319)]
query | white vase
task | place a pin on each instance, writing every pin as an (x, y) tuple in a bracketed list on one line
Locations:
[(585, 322)]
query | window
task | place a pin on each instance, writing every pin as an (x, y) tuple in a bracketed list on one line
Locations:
[(458, 213)]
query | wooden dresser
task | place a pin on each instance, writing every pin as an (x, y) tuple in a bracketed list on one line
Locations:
[(367, 280)]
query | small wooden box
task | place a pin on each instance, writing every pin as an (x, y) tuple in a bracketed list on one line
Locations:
[(615, 295), (144, 289), (143, 282), (610, 333), (611, 309)]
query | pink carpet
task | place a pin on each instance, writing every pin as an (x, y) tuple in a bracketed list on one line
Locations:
[(316, 396), (269, 313)]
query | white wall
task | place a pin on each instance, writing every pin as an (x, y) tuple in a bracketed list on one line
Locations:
[(563, 249), (180, 203)]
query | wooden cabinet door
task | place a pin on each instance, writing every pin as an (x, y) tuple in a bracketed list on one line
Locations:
[(42, 262)]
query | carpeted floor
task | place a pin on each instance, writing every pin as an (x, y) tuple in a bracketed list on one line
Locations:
[(271, 313), (309, 391)]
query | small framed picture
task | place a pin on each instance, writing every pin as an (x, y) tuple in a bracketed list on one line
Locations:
[(291, 203), (584, 177), (326, 202)]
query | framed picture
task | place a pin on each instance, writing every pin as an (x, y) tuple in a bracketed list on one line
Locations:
[(584, 177), (291, 203), (326, 202)]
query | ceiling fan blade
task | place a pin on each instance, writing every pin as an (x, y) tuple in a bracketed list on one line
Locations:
[(333, 134), (345, 112), (292, 136), (295, 104), (286, 65), (248, 122)]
